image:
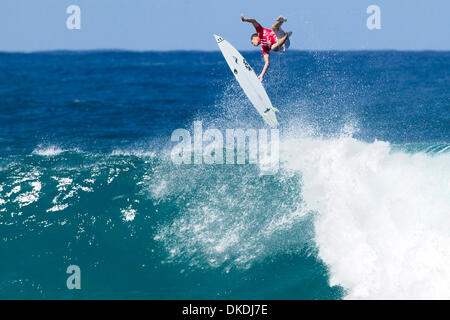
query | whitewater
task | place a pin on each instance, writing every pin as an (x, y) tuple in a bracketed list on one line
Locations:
[(382, 215)]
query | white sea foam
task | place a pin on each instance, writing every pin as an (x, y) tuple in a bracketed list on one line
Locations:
[(383, 223), (29, 197), (67, 189), (48, 150), (57, 208), (128, 213), (132, 152)]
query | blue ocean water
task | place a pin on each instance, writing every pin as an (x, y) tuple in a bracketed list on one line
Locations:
[(358, 208)]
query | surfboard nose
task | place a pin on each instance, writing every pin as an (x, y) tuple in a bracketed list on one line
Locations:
[(219, 39)]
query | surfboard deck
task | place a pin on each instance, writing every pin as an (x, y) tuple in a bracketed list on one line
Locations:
[(248, 81)]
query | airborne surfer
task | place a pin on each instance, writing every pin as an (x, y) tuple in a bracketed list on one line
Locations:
[(275, 39)]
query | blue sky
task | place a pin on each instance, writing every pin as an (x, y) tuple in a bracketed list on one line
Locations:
[(30, 25)]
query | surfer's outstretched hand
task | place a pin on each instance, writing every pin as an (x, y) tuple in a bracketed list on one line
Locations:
[(242, 17), (260, 77)]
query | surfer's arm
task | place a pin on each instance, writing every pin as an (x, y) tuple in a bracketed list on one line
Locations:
[(266, 66), (251, 20)]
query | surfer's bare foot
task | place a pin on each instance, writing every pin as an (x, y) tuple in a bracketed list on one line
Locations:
[(281, 19)]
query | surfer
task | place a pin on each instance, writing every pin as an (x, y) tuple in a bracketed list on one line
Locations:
[(275, 39)]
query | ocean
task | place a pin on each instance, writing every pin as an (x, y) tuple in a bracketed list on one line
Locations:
[(358, 208)]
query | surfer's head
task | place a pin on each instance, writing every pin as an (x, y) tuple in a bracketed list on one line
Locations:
[(255, 39)]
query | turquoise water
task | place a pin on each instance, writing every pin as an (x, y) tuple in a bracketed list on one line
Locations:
[(358, 208)]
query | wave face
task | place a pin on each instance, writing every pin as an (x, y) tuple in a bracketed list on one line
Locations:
[(375, 216), (174, 226), (357, 210)]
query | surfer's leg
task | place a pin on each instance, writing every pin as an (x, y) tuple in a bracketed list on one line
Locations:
[(281, 41), (278, 23)]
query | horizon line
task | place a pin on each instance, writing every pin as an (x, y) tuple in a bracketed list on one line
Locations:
[(210, 51)]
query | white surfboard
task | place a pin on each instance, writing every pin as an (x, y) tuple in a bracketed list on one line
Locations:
[(248, 81)]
